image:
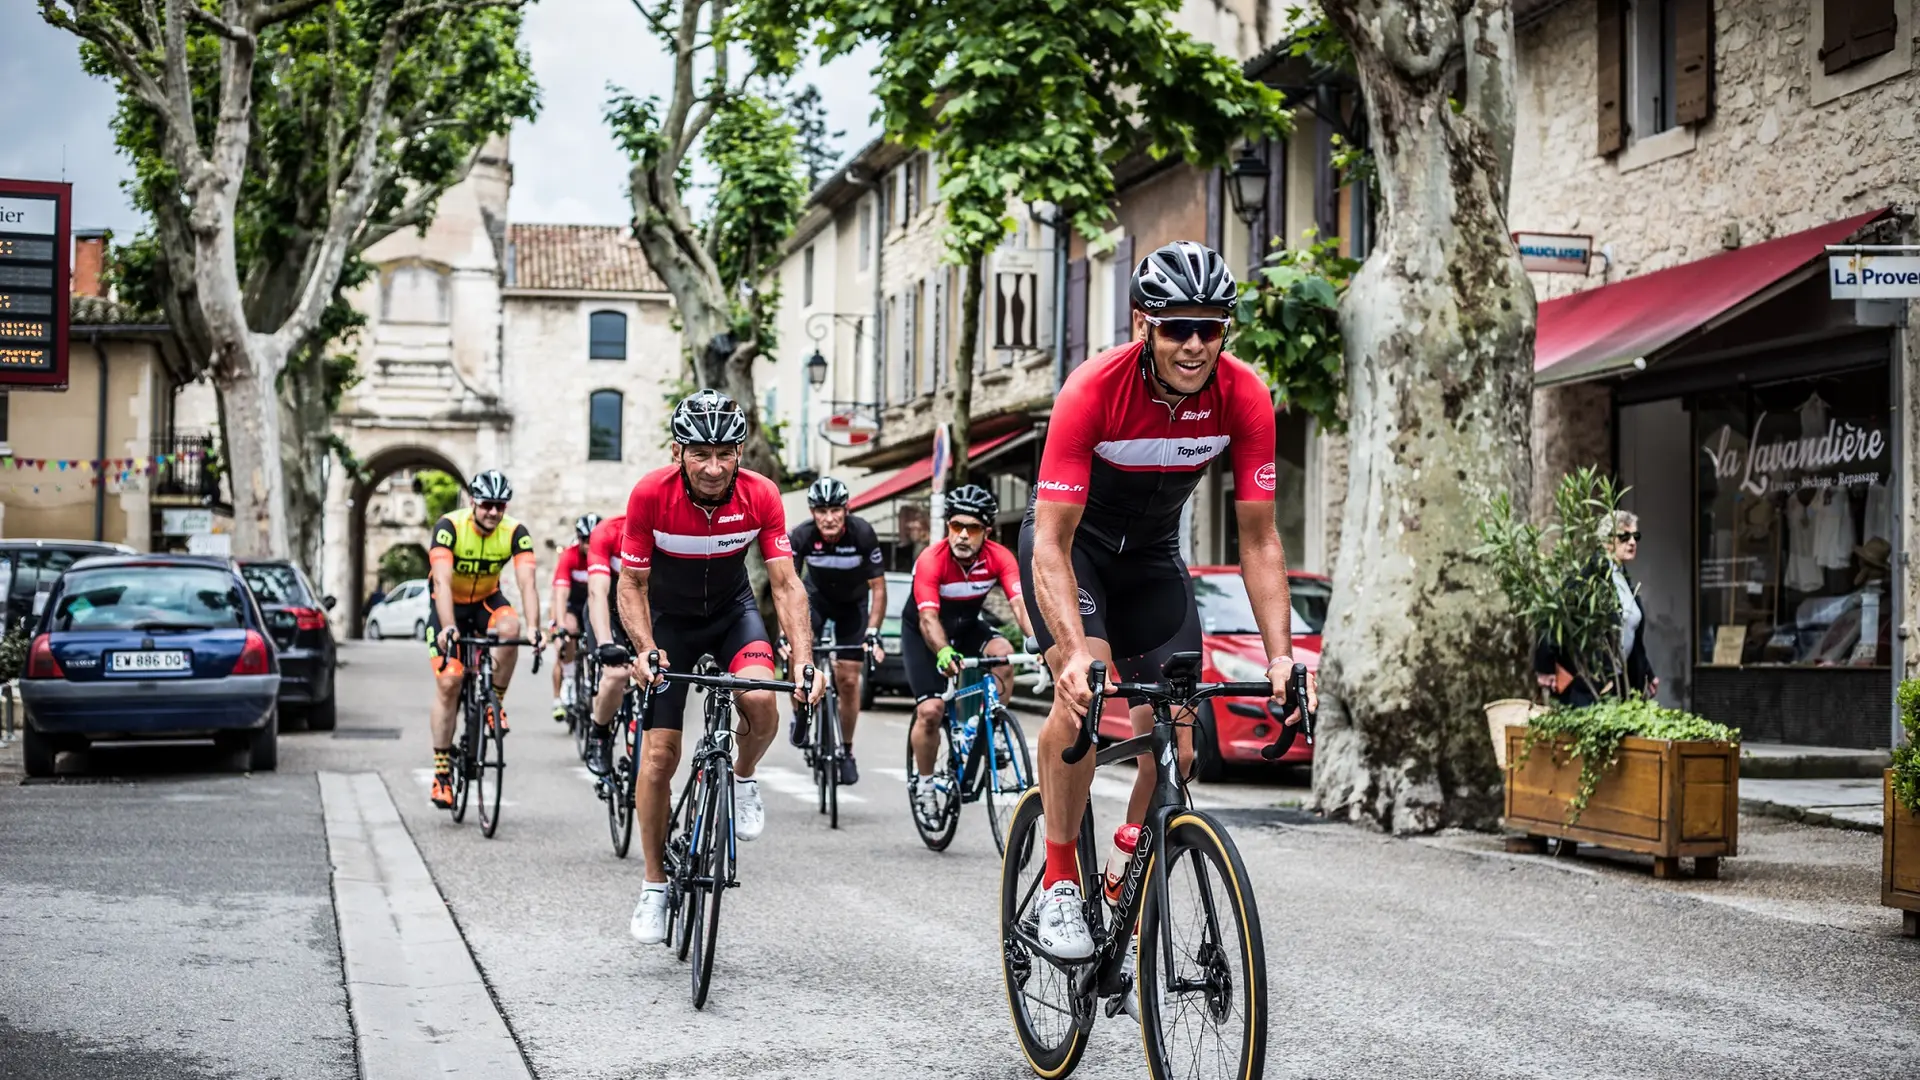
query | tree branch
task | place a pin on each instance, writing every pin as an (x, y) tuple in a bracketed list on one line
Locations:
[(114, 38), (417, 210), (673, 127), (282, 12), (218, 25), (1491, 69), (657, 23)]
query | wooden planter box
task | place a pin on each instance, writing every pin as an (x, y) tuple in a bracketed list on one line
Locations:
[(1900, 868), (1670, 800)]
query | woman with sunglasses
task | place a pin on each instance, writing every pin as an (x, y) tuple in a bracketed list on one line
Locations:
[(1620, 533), (942, 625)]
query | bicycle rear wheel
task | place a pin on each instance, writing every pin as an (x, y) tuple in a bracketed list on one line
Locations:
[(938, 824), (1049, 1017), (1008, 770), (1202, 967), (712, 862), (621, 785), (490, 769)]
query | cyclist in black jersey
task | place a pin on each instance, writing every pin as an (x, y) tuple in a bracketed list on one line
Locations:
[(845, 575)]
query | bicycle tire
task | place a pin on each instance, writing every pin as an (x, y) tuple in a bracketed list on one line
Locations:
[(827, 758), (621, 787), (1195, 841), (710, 860), (1055, 1051), (1002, 797), (489, 779), (937, 835), (680, 915), (463, 757)]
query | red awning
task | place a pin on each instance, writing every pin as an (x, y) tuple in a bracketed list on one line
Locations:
[(1603, 330), (917, 474)]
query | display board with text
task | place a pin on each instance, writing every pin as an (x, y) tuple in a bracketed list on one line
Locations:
[(35, 283)]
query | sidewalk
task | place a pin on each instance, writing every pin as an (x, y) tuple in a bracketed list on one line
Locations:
[(1845, 804)]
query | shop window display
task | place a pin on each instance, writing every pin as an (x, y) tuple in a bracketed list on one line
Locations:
[(1795, 503)]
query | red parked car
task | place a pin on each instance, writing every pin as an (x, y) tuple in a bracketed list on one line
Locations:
[(1234, 729)]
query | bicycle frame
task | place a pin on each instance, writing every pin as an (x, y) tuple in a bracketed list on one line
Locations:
[(988, 690)]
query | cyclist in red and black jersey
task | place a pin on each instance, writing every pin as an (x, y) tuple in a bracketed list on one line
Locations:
[(942, 623), (603, 565), (1131, 435), (683, 592), (569, 602)]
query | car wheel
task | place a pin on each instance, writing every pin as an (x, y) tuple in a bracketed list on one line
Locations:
[(1208, 765), (263, 748), (37, 752), (420, 630), (321, 715), (373, 630)]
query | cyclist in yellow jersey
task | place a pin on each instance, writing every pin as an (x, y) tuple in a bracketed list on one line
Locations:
[(471, 546)]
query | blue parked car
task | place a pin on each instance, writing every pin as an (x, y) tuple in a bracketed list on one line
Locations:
[(150, 647)]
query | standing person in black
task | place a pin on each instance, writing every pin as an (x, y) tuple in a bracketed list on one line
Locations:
[(1555, 668), (846, 586)]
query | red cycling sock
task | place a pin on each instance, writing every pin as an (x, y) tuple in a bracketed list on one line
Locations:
[(1063, 864)]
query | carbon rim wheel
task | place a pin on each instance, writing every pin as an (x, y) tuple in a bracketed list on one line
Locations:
[(620, 789), (1049, 1021), (829, 758), (1202, 967), (936, 831), (1008, 770), (684, 872), (462, 770), (488, 778), (710, 861)]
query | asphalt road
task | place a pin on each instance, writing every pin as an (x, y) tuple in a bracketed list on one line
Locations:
[(164, 915)]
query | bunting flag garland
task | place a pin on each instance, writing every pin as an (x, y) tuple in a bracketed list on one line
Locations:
[(122, 467)]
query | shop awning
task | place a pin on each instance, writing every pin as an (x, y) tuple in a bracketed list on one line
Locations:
[(920, 472), (1602, 331)]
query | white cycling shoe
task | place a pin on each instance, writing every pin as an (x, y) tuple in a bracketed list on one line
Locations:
[(749, 813), (1061, 923), (649, 923)]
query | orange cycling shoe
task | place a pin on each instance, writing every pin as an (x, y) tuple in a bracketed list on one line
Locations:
[(443, 791), (497, 716)]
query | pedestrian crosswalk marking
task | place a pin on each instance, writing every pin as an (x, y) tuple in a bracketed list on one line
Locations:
[(798, 784)]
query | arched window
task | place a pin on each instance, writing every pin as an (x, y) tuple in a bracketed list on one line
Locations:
[(603, 425), (607, 336)]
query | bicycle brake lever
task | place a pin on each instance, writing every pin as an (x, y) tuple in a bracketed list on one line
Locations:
[(1097, 675), (1296, 699)]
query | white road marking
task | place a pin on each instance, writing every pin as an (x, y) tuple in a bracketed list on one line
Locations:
[(798, 784)]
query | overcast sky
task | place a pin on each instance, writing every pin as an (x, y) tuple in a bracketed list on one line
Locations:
[(566, 169)]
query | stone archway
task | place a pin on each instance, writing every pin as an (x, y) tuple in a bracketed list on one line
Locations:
[(376, 469)]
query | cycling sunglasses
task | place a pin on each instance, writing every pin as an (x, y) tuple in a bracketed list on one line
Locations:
[(1181, 329), (1626, 536), (492, 505), (959, 528)]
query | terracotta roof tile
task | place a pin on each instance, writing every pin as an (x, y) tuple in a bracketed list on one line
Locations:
[(100, 311), (594, 258)]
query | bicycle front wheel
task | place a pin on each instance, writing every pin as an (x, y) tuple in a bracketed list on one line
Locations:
[(711, 864), (1202, 967), (490, 770), (1050, 1018), (936, 816), (1009, 773), (620, 788)]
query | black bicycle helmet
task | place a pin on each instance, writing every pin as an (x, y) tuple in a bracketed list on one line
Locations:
[(709, 418), (490, 486), (974, 500), (827, 491), (585, 526), (1184, 274)]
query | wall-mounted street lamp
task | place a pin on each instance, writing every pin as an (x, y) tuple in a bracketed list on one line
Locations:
[(1247, 184), (816, 369)]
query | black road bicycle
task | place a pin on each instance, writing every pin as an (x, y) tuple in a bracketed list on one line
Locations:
[(586, 684), (616, 788), (1200, 993), (827, 746), (480, 754), (701, 847), (571, 685)]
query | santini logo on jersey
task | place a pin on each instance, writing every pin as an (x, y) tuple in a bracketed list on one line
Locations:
[(1200, 415), (725, 518)]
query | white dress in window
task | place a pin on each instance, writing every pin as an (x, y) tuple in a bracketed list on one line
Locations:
[(1803, 570), (1834, 534)]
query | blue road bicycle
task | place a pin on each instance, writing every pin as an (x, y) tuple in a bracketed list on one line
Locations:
[(983, 756)]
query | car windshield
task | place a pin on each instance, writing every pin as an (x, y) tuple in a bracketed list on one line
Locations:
[(899, 587), (276, 583), (151, 598), (1225, 608)]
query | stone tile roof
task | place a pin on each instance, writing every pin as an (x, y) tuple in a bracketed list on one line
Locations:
[(593, 258), (100, 311)]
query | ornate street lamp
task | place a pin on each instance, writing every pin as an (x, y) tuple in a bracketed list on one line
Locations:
[(1247, 184), (816, 369)]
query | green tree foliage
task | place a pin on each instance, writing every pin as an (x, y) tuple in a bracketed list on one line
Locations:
[(818, 152), (440, 491), (402, 562), (1287, 324)]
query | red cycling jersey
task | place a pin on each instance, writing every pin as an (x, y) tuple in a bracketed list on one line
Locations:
[(698, 554), (571, 568), (1133, 460), (939, 581), (603, 546)]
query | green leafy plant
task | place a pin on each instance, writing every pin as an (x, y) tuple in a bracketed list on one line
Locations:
[(1557, 578), (1287, 324), (13, 652), (1906, 759), (442, 493), (1593, 734), (403, 562)]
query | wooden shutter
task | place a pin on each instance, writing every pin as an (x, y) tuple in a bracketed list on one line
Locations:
[(1693, 60), (1076, 313), (1611, 65), (1856, 30), (1123, 291)]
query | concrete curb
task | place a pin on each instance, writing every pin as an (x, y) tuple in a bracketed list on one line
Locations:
[(1806, 815), (419, 1005)]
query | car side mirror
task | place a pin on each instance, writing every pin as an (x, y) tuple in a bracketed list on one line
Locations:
[(328, 602)]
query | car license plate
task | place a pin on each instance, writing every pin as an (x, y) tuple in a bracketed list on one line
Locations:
[(149, 660)]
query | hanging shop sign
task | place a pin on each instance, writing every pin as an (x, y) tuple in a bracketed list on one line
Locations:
[(35, 283), (849, 429), (1885, 274), (1554, 253)]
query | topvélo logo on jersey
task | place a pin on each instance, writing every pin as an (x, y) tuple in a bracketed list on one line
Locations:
[(1267, 477)]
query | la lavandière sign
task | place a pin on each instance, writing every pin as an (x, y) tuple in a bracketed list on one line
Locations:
[(1783, 455), (35, 283)]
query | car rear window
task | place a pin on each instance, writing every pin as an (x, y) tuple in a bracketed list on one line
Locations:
[(1225, 608), (153, 598), (276, 584)]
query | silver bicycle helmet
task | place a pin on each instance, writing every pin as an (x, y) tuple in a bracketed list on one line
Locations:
[(827, 491), (974, 500), (1184, 274), (490, 486), (585, 526), (709, 418)]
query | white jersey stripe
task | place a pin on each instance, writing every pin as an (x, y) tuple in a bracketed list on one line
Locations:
[(1162, 453), (835, 562), (966, 589), (703, 546)]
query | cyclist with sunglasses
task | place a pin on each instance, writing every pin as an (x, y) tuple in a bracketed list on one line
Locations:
[(942, 624), (1132, 434), (471, 546)]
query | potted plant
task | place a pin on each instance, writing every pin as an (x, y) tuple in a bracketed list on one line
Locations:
[(1622, 771), (1900, 863)]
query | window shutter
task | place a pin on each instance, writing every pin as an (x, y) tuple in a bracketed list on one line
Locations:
[(1076, 313), (1123, 291), (1856, 30), (1693, 60), (1612, 69)]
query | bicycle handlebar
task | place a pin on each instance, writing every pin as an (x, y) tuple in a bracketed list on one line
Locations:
[(730, 682), (1097, 676), (491, 642), (1162, 692)]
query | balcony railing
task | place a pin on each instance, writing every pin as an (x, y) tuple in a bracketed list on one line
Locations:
[(187, 466)]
